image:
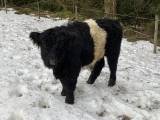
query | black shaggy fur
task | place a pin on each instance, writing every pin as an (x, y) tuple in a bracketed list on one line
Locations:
[(66, 49)]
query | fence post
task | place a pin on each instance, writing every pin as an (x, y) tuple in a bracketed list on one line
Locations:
[(76, 12), (5, 4), (38, 9), (156, 33)]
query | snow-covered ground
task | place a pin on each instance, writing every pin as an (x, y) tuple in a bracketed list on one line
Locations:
[(28, 90)]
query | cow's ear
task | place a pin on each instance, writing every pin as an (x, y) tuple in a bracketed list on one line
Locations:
[(35, 37)]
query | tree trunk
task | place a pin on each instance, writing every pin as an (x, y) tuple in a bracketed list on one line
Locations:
[(5, 4), (156, 33), (110, 8), (2, 3), (38, 9)]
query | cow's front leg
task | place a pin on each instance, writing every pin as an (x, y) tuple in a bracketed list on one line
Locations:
[(69, 80), (63, 93), (69, 86)]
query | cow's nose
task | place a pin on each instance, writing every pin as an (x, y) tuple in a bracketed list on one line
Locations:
[(52, 62)]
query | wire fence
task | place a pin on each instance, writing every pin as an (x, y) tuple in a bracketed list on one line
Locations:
[(141, 28)]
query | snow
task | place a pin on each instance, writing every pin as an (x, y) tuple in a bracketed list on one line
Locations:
[(28, 90)]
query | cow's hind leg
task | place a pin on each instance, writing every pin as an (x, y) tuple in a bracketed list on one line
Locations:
[(112, 62), (112, 58), (96, 71)]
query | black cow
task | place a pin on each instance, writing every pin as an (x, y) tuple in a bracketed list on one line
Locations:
[(66, 49)]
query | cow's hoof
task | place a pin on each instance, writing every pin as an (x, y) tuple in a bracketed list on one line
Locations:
[(111, 83), (90, 81), (69, 100)]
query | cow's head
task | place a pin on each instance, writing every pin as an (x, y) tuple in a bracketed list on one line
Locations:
[(52, 44)]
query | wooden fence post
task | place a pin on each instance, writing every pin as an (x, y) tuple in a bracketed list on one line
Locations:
[(76, 12), (38, 9), (156, 33), (5, 4)]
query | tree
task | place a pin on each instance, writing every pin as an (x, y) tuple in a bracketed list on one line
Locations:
[(2, 4), (155, 7)]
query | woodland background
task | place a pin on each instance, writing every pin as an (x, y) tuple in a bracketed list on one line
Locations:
[(137, 16)]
